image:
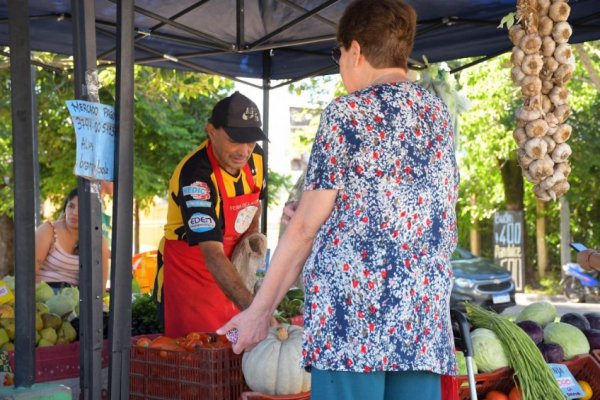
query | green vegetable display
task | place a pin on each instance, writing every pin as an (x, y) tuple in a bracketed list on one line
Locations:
[(144, 316), (535, 376), (569, 337), (541, 312), (291, 306), (489, 353)]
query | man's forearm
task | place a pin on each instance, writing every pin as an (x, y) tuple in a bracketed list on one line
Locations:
[(226, 277)]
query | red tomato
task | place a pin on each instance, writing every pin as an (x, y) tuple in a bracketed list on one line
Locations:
[(496, 395), (515, 394)]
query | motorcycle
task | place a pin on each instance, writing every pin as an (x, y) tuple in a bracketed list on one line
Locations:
[(580, 285)]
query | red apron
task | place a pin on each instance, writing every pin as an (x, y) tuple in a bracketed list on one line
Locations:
[(193, 302)]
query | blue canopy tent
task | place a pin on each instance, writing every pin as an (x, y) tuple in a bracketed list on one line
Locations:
[(273, 40)]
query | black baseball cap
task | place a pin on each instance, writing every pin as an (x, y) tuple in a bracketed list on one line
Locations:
[(239, 117)]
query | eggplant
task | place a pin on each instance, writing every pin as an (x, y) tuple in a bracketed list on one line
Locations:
[(552, 352), (594, 319), (533, 330), (577, 320), (593, 337)]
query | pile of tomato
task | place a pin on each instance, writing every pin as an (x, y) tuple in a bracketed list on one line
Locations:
[(515, 393), (192, 342)]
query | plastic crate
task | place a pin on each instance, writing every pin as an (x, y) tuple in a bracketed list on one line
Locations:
[(501, 380), (584, 367), (262, 396), (207, 374), (596, 354), (59, 362)]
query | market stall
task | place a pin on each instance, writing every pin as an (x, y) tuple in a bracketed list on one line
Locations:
[(268, 39)]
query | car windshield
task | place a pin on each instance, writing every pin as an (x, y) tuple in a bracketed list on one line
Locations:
[(462, 254)]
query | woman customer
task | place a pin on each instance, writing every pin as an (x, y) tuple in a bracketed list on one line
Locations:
[(375, 226), (57, 251)]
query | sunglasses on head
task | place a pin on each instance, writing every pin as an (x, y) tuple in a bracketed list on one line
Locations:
[(336, 53)]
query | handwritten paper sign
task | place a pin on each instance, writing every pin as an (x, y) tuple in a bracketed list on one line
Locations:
[(566, 381), (95, 137)]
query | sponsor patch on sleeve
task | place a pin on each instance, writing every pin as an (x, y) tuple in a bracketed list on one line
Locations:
[(201, 223), (198, 203), (198, 190)]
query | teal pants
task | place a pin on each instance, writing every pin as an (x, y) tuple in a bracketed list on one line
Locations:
[(340, 385)]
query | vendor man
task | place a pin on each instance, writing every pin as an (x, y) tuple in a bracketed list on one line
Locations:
[(213, 201)]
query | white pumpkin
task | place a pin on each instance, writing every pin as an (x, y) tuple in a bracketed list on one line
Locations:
[(273, 366)]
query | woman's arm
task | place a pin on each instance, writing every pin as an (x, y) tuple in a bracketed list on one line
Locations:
[(288, 260), (44, 237)]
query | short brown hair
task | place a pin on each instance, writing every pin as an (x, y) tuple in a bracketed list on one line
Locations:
[(385, 30)]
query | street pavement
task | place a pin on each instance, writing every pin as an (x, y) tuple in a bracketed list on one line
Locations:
[(559, 301)]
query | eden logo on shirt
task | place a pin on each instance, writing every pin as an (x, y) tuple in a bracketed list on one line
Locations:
[(201, 223)]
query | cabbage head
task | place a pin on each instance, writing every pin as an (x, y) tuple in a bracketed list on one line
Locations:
[(569, 337), (541, 312), (461, 362), (60, 304), (489, 351)]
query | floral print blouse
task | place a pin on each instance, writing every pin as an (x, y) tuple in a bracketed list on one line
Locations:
[(378, 279)]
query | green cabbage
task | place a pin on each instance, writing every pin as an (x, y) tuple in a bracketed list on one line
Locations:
[(461, 362), (569, 337), (541, 312), (488, 349), (60, 304)]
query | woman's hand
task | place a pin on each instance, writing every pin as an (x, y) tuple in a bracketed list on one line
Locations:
[(252, 326), (288, 211)]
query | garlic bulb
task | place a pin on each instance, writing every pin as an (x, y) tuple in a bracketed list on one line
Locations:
[(520, 136), (562, 133), (547, 86), (548, 46), (536, 128), (545, 26), (562, 112), (563, 74), (517, 74), (531, 43), (559, 95), (531, 85), (550, 142), (562, 53), (527, 115), (541, 193), (561, 153), (536, 148), (523, 159), (516, 33), (563, 167), (561, 188), (517, 55), (561, 32), (532, 64), (559, 11)]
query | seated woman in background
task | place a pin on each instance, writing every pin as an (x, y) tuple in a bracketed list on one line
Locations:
[(56, 248)]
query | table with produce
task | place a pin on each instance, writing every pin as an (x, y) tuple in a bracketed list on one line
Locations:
[(533, 355), (515, 357)]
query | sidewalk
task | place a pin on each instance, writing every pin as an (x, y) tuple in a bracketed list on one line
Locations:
[(528, 298)]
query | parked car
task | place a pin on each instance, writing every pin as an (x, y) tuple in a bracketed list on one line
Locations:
[(479, 281)]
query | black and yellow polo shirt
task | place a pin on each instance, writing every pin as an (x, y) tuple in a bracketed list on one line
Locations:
[(193, 191)]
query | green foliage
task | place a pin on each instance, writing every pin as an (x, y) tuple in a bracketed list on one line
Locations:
[(485, 140), (171, 108), (277, 184)]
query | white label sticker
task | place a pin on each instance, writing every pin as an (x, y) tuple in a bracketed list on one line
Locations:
[(244, 219)]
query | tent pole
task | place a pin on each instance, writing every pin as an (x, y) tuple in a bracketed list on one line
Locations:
[(90, 225), (121, 275), (266, 93), (22, 131)]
